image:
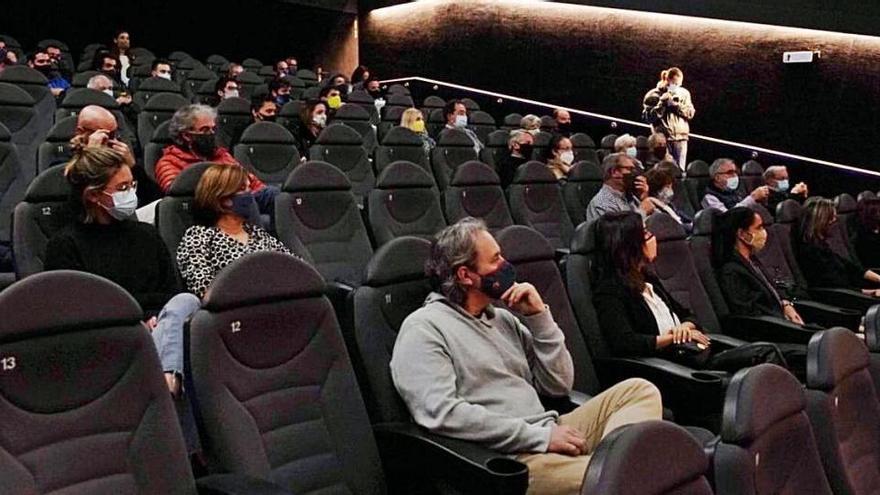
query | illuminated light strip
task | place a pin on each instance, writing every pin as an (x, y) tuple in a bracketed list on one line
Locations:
[(634, 123)]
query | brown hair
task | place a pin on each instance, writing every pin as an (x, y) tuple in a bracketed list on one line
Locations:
[(658, 178), (670, 73), (869, 214), (817, 217), (219, 182), (91, 169)]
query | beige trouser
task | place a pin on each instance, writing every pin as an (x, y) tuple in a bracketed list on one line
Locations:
[(630, 401)]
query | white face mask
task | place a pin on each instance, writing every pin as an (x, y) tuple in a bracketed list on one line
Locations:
[(567, 157), (124, 204), (673, 87), (230, 93), (108, 92), (164, 75), (320, 120)]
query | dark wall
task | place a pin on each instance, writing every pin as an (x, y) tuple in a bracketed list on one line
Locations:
[(605, 60)]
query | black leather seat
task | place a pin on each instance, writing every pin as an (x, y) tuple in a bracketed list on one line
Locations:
[(398, 144), (342, 146), (34, 84), (26, 129), (584, 181), (405, 202), (476, 191), (358, 119), (482, 123), (156, 110), (752, 177), (536, 201), (496, 149), (56, 149), (233, 117), (44, 211), (696, 180), (267, 150), (584, 148), (174, 213), (454, 147), (13, 184)]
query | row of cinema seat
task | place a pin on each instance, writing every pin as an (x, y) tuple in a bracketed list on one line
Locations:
[(287, 402)]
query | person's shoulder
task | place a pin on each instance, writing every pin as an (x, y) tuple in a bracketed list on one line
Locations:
[(609, 285), (198, 231), (66, 234)]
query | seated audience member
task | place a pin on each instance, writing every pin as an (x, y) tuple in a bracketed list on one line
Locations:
[(413, 120), (63, 67), (456, 115), (865, 233), (373, 87), (360, 76), (193, 132), (519, 146), (223, 204), (107, 242), (657, 150), (626, 144), (530, 123), (105, 85), (282, 70), (820, 264), (107, 64), (561, 156), (7, 56), (234, 71), (225, 88), (43, 63), (264, 109), (722, 194), (563, 122), (292, 65), (637, 316), (121, 51), (623, 189), (332, 98), (312, 120), (776, 180), (339, 82), (279, 90), (660, 193), (469, 370), (161, 68)]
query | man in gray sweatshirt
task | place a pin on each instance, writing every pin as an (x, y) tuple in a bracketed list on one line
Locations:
[(472, 371)]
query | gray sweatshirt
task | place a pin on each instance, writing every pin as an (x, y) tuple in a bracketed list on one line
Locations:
[(476, 378)]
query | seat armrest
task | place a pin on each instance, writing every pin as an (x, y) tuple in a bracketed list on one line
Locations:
[(578, 398), (725, 341), (561, 254), (844, 298), (765, 328), (237, 484), (411, 455), (827, 315)]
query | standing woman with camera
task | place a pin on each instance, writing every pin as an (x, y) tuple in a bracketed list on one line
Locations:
[(669, 109)]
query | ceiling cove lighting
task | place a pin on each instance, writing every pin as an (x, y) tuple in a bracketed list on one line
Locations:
[(422, 7)]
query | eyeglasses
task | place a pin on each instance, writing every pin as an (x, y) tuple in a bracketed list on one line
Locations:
[(125, 187)]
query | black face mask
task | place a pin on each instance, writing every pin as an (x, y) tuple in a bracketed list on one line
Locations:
[(204, 144), (376, 93), (495, 284), (564, 128), (660, 152), (267, 118), (526, 150)]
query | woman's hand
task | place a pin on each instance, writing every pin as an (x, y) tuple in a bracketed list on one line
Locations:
[(792, 315)]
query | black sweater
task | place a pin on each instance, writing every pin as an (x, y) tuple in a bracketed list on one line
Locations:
[(129, 253), (823, 267), (627, 322), (746, 292)]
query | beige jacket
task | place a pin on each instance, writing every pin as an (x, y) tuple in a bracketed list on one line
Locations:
[(666, 116)]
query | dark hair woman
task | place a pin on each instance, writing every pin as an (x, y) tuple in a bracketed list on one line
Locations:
[(866, 232)]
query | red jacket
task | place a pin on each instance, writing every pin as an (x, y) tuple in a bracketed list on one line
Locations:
[(175, 159)]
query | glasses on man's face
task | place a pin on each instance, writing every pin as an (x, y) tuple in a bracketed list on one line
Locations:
[(126, 186)]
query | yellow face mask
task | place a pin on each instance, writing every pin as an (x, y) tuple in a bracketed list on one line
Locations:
[(334, 102), (418, 126)]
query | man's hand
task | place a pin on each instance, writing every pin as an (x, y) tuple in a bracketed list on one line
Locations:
[(566, 440), (760, 194), (648, 206), (56, 91), (524, 299), (124, 100), (800, 189), (123, 148), (641, 187), (792, 315)]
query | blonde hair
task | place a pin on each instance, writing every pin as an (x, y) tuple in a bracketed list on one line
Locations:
[(217, 183), (410, 116), (670, 73), (816, 219), (623, 142), (91, 169)]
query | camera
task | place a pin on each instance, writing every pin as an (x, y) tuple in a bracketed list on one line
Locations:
[(676, 99)]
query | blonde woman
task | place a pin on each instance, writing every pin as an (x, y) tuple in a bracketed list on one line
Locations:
[(413, 120)]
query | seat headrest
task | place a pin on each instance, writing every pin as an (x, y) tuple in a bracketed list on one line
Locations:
[(248, 77), (481, 118), (359, 96), (393, 114), (697, 168), (704, 221), (351, 112), (398, 89), (584, 239), (167, 102), (5, 135), (339, 134), (161, 135), (399, 260), (267, 133), (51, 185), (752, 168), (434, 102), (665, 228), (13, 96), (454, 137), (22, 74), (282, 276), (185, 183), (201, 74), (756, 399), (581, 140), (80, 79), (306, 74), (234, 106), (764, 213), (608, 141), (542, 139), (399, 100), (216, 59), (53, 302), (845, 203), (788, 211), (832, 356), (498, 139), (291, 109), (63, 130), (474, 173), (401, 136), (83, 97), (583, 171), (158, 85), (404, 174), (534, 172), (294, 81), (316, 176), (512, 119), (520, 244)]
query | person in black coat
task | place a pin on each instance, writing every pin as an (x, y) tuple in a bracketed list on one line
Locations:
[(865, 232)]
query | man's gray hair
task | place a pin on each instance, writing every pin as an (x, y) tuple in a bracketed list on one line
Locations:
[(717, 164), (454, 246), (184, 119), (514, 135), (94, 80), (530, 122), (771, 171), (613, 161), (623, 142)]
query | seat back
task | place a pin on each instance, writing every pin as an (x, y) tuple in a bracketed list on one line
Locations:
[(405, 202), (847, 211), (152, 86), (496, 147), (541, 151), (390, 117), (205, 92), (34, 84), (158, 109), (13, 183), (536, 201), (81, 79), (584, 181), (844, 410), (395, 285), (82, 380), (269, 151), (309, 77), (174, 213), (777, 258), (700, 244), (317, 209), (248, 82), (77, 99), (767, 444), (579, 282), (44, 211), (752, 177), (56, 148), (535, 262), (398, 144), (18, 114), (697, 180), (233, 117), (677, 462), (676, 269), (398, 89), (470, 104), (511, 121), (361, 99), (582, 143), (342, 147), (273, 383), (476, 192), (156, 146), (431, 103), (483, 124), (195, 79), (454, 147), (358, 119)]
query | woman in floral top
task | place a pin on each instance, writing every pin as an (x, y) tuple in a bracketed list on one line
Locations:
[(223, 203)]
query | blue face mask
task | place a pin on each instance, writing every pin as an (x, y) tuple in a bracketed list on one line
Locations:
[(733, 183), (632, 152), (244, 205), (496, 283), (124, 204), (782, 185)]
